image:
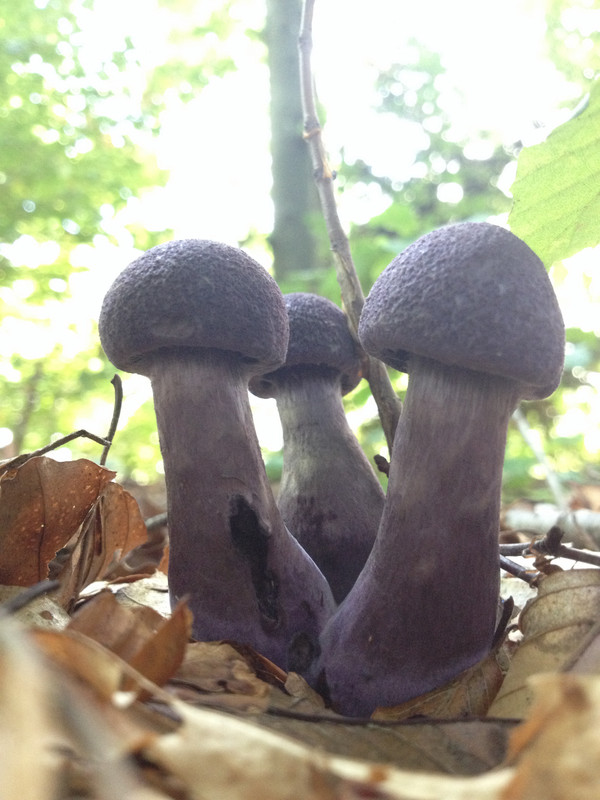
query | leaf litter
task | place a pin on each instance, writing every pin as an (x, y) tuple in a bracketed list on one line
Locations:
[(102, 695)]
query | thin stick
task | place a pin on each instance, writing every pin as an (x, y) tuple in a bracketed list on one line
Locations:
[(118, 386), (550, 545), (387, 402), (27, 596), (18, 461), (524, 573)]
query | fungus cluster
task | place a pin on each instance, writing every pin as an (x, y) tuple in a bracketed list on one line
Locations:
[(469, 312)]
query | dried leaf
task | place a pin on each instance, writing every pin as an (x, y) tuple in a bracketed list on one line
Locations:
[(216, 668), (162, 654), (26, 720), (557, 749), (464, 747), (303, 698), (554, 626), (218, 755), (120, 629), (113, 526), (122, 525), (152, 592), (42, 504), (469, 694), (90, 754), (586, 660), (42, 612), (153, 646), (143, 560), (83, 658)]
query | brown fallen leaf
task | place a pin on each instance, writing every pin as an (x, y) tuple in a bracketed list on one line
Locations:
[(207, 754), (304, 699), (162, 654), (218, 755), (112, 526), (152, 645), (554, 626), (27, 722), (586, 659), (62, 730), (120, 629), (462, 747), (84, 659), (143, 560), (557, 750), (218, 674), (469, 694), (152, 592), (41, 612), (41, 505)]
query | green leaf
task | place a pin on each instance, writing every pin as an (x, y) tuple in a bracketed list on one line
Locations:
[(557, 189)]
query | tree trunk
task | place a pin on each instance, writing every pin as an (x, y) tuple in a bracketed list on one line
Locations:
[(294, 194)]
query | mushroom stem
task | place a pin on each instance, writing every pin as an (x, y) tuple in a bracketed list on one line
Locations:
[(246, 578), (329, 495), (424, 607)]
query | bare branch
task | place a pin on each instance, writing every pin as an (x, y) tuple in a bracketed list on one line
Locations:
[(18, 461), (581, 527), (388, 403), (118, 386)]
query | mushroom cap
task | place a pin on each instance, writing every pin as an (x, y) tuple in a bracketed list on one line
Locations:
[(319, 337), (471, 295), (194, 293)]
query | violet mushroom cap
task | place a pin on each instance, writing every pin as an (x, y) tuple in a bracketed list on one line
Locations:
[(329, 496), (199, 318), (470, 313)]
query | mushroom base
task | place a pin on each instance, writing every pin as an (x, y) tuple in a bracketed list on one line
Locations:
[(424, 607), (245, 576), (329, 496)]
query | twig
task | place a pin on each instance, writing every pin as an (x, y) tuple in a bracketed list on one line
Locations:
[(158, 521), (581, 526), (552, 478), (524, 573), (118, 386), (28, 596), (18, 461), (520, 549), (388, 404), (550, 545)]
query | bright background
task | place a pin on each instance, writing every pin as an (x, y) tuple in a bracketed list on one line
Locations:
[(207, 146)]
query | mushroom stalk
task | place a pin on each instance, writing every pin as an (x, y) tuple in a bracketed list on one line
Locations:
[(424, 607), (329, 495), (246, 578)]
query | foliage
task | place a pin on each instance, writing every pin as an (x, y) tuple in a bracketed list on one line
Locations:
[(556, 194), (78, 128), (75, 130), (454, 175)]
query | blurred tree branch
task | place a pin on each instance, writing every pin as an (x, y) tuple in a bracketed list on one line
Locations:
[(387, 402)]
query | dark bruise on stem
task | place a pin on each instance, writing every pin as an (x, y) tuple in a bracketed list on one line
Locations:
[(388, 403)]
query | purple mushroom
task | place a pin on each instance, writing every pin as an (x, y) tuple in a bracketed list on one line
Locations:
[(470, 313), (329, 497), (200, 318)]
